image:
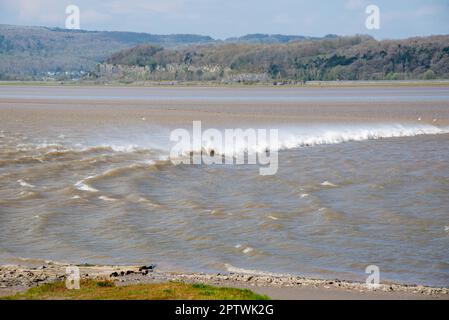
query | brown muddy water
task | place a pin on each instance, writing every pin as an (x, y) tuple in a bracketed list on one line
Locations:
[(363, 179)]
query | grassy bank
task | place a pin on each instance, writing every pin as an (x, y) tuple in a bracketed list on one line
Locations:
[(107, 290)]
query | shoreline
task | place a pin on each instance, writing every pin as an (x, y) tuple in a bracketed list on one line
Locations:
[(41, 108), (204, 84), (19, 278)]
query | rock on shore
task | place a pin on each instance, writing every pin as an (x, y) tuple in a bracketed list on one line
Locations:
[(15, 278)]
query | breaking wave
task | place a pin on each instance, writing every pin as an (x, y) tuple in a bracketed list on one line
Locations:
[(333, 134), (293, 137)]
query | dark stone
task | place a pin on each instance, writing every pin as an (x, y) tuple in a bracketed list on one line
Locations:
[(150, 267)]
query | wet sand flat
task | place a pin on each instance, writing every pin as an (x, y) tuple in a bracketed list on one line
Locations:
[(221, 106)]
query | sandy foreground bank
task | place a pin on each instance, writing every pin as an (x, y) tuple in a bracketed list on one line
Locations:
[(18, 278)]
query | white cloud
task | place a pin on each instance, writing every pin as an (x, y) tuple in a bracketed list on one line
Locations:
[(234, 17)]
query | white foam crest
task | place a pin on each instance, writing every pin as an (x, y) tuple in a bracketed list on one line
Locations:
[(53, 146), (106, 198), (114, 171), (328, 184), (297, 136), (125, 148), (292, 137), (231, 268), (248, 250), (129, 148), (82, 185), (25, 184)]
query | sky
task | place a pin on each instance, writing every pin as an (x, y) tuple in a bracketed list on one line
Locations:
[(229, 18)]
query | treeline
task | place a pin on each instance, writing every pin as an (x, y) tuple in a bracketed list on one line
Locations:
[(40, 53), (30, 53), (331, 58)]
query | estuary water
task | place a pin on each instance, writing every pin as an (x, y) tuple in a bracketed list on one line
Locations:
[(363, 179)]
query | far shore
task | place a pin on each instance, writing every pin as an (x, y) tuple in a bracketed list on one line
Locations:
[(274, 83), (19, 278)]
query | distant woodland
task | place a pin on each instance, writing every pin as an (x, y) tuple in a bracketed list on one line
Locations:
[(39, 53), (42, 53), (341, 58)]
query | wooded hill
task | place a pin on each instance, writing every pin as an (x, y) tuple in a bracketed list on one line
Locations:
[(40, 53), (34, 52), (332, 58)]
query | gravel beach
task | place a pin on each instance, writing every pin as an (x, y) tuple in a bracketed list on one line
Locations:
[(19, 278)]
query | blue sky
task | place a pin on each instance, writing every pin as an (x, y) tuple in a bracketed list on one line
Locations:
[(227, 18)]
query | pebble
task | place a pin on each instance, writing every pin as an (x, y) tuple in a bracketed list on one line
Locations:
[(12, 276)]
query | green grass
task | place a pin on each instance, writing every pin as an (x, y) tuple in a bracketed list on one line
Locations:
[(107, 290)]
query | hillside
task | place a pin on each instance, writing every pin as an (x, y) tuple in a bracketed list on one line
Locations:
[(272, 38), (332, 58), (34, 52), (40, 53)]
